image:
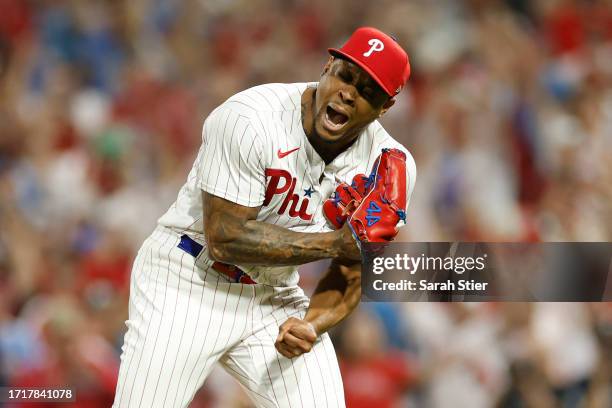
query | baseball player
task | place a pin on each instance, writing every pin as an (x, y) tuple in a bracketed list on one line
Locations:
[(216, 282)]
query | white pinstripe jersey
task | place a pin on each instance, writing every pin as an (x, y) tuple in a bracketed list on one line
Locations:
[(254, 152)]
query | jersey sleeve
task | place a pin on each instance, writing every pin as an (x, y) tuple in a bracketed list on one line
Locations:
[(230, 165)]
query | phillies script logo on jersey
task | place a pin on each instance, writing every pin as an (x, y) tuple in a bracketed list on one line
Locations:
[(282, 182)]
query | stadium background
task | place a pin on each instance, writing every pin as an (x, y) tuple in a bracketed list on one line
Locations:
[(508, 114)]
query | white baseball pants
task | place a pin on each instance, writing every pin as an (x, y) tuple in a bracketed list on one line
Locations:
[(185, 317)]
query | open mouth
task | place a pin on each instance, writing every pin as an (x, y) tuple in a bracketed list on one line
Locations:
[(335, 120)]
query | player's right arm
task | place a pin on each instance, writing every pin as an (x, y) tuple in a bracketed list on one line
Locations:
[(335, 297), (234, 236)]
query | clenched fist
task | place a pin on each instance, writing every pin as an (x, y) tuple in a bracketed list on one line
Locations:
[(295, 337)]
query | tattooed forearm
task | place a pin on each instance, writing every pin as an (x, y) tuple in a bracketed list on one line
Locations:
[(265, 244), (335, 297), (234, 236)]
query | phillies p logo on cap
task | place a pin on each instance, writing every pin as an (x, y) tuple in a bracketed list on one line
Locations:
[(376, 44), (379, 55)]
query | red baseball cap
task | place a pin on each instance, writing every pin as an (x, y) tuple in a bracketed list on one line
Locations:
[(379, 55)]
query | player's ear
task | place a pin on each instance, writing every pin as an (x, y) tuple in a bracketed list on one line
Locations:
[(386, 106), (327, 65)]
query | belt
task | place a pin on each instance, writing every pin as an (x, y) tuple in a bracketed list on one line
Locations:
[(235, 274)]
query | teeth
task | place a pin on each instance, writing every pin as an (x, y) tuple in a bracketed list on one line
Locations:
[(331, 125)]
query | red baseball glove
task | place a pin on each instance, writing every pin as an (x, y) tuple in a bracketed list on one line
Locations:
[(372, 205), (345, 200)]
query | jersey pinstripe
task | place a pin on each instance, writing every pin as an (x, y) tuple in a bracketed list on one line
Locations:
[(254, 140)]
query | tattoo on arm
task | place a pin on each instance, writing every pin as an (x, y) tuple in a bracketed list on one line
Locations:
[(234, 236)]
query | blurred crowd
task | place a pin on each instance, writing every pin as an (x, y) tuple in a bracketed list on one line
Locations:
[(508, 115)]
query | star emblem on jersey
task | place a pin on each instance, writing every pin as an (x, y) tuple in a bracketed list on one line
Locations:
[(287, 153), (308, 192), (373, 208)]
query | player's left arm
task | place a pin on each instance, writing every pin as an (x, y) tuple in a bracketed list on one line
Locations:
[(336, 295)]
